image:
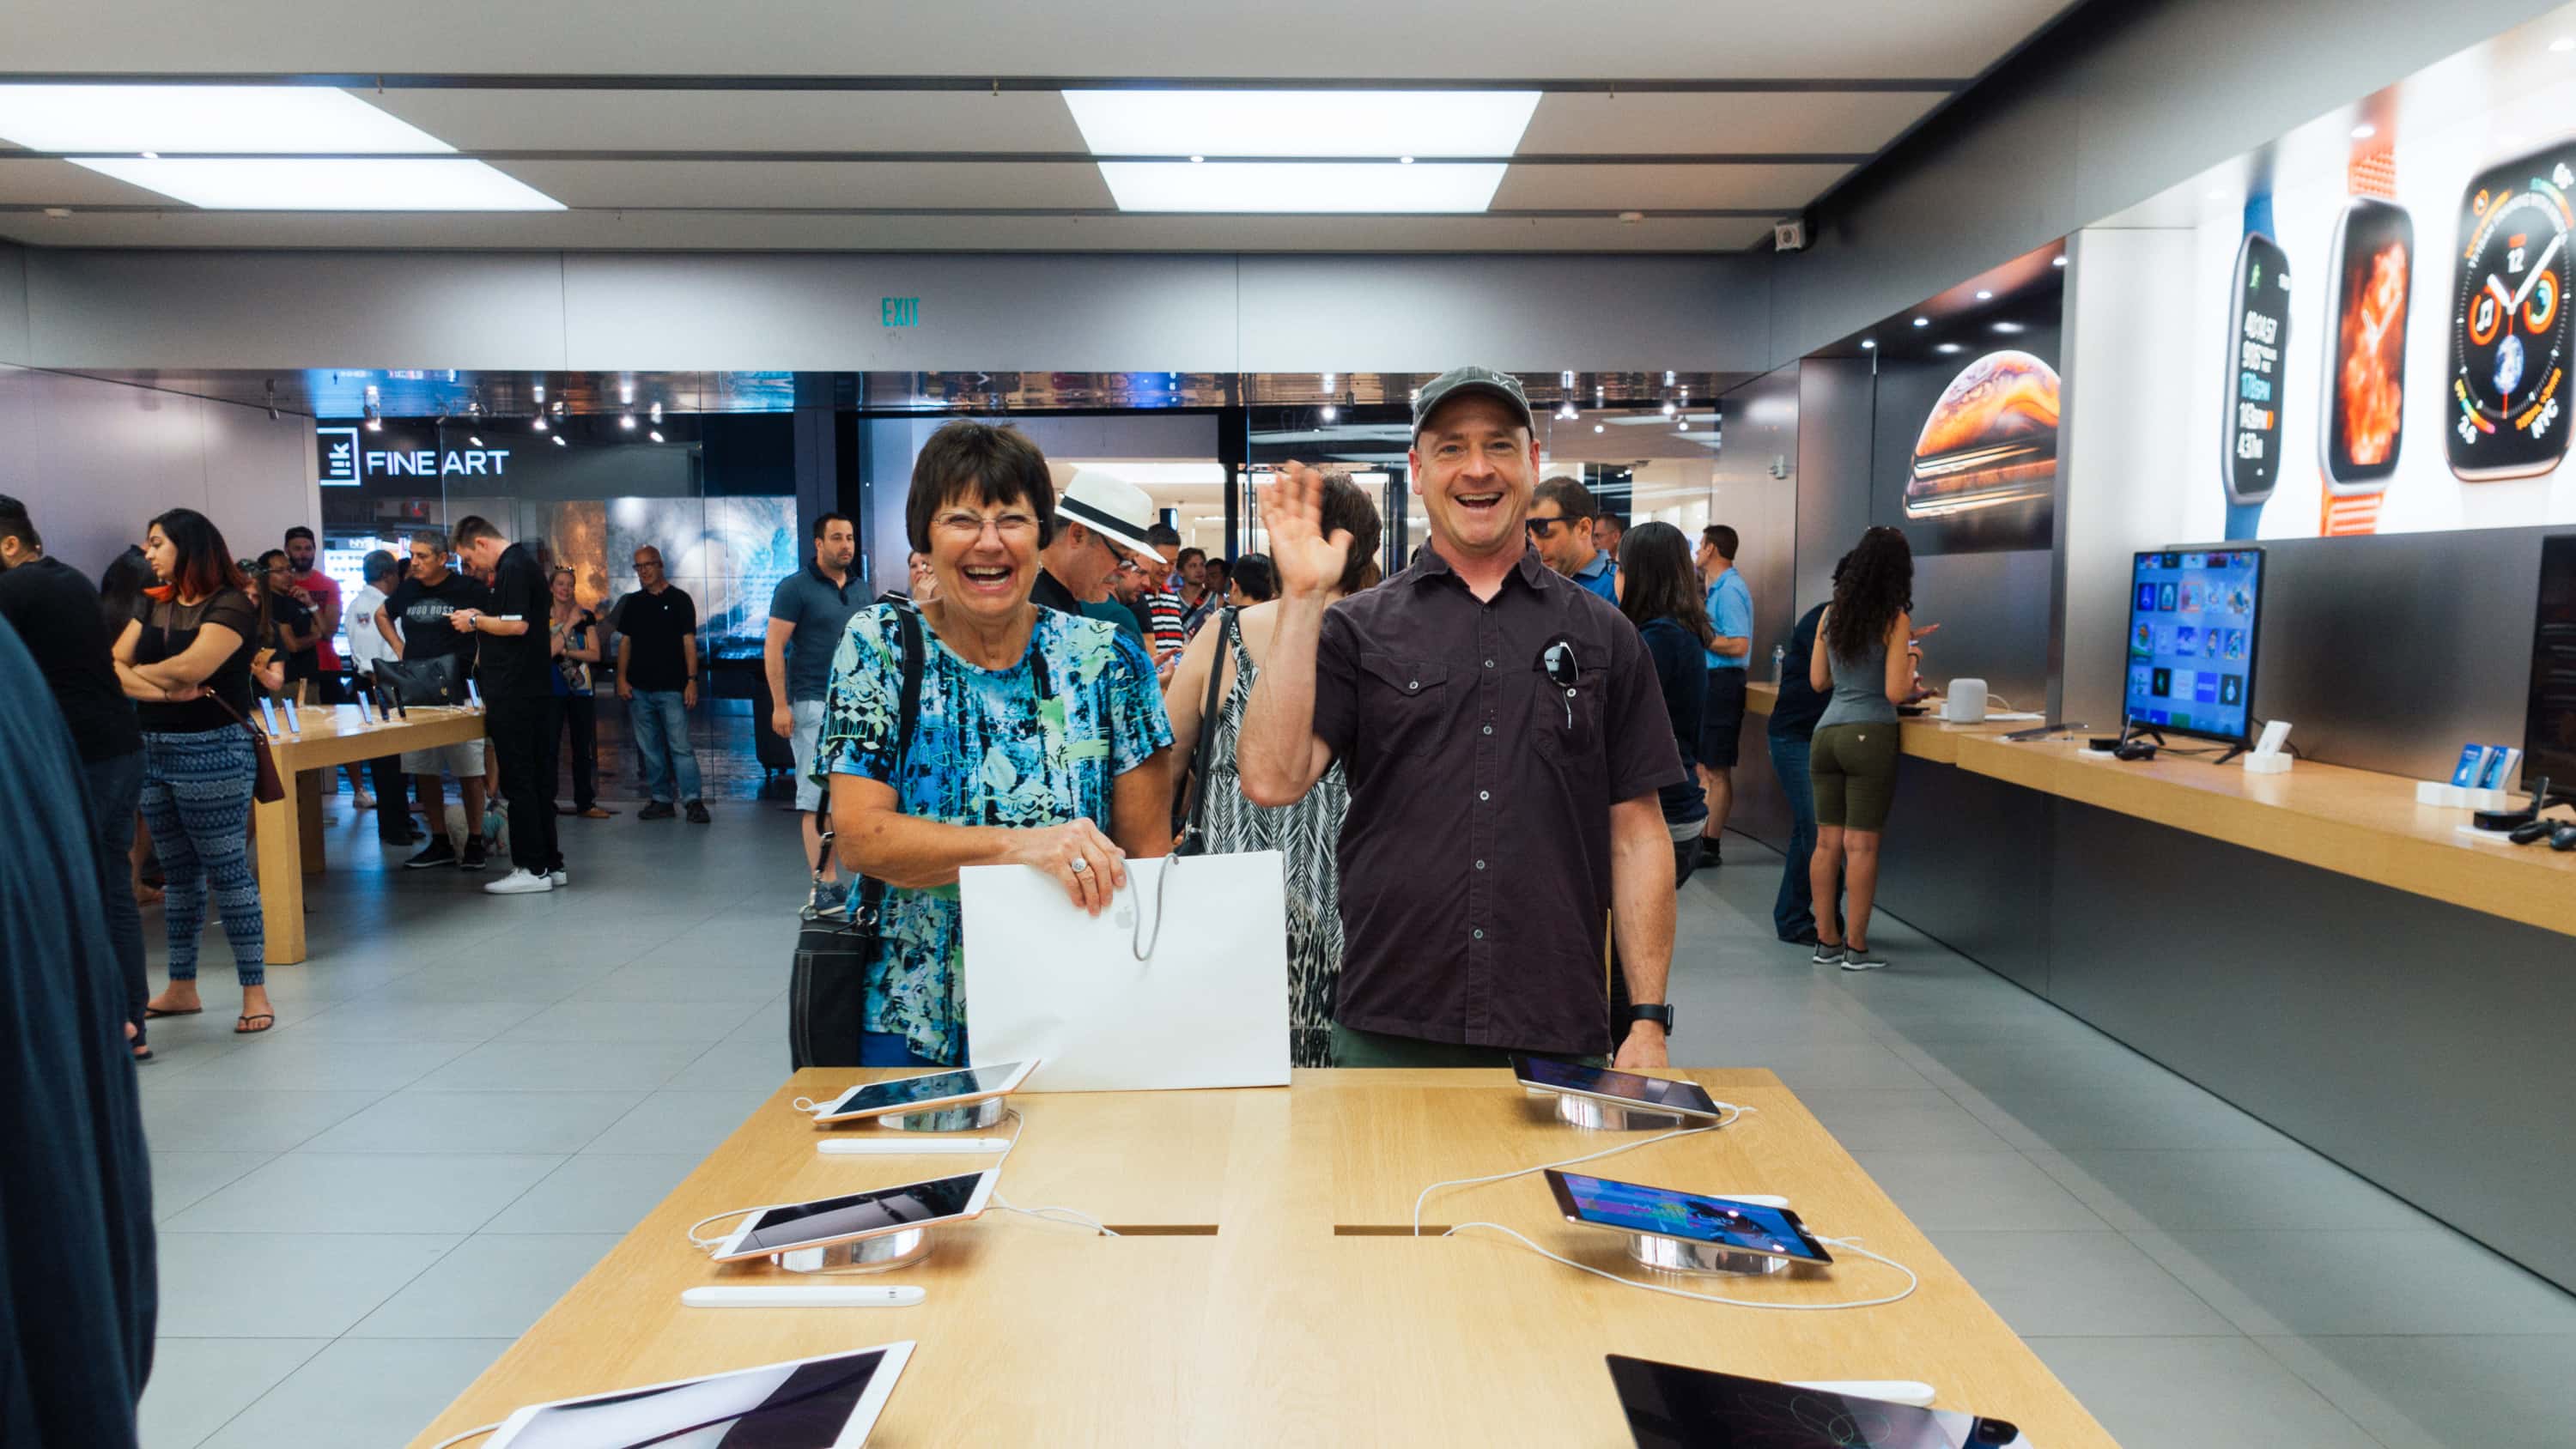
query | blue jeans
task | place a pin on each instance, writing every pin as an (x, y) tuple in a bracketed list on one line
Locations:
[(662, 737), (889, 1049), (115, 787), (1793, 914)]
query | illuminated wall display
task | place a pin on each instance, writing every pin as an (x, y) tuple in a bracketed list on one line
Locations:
[(2509, 328), (2259, 343)]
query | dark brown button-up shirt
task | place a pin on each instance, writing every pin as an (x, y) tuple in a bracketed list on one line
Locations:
[(1475, 861)]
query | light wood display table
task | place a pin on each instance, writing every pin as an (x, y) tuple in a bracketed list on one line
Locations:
[(1266, 1291), (290, 831), (2353, 822)]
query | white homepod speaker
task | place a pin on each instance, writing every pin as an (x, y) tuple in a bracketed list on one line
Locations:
[(1966, 701)]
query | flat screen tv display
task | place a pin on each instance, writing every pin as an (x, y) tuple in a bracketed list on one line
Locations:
[(2192, 617), (2549, 731)]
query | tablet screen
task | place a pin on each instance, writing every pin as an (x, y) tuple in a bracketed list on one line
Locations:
[(1634, 1208), (1671, 1407), (812, 1404), (937, 1087), (838, 1219), (1548, 1072)]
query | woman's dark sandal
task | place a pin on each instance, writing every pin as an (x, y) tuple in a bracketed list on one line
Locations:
[(154, 1013), (242, 1025)]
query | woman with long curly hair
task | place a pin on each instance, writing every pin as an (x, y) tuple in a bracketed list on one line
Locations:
[(1863, 661)]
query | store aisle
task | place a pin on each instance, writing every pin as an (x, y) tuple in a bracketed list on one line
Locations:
[(460, 1111)]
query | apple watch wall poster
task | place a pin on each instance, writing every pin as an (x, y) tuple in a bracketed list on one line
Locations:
[(2509, 334), (2258, 347), (2365, 382)]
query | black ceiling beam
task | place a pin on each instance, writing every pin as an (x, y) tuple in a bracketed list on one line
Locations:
[(943, 158), (1767, 85)]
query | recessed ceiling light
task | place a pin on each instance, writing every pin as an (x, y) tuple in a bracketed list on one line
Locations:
[(206, 120), (1198, 160), (655, 436), (626, 421), (540, 424), (559, 442), (261, 183), (2009, 329), (1302, 123), (1300, 186), (1596, 427), (2364, 131), (1948, 347), (1407, 160), (2057, 261), (1984, 295), (473, 441), (1331, 412), (1922, 321), (1867, 343)]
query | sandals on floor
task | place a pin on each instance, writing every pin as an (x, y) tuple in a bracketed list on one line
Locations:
[(242, 1024), (154, 1013)]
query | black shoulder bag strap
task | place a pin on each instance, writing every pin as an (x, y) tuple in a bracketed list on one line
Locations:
[(1194, 832), (865, 907)]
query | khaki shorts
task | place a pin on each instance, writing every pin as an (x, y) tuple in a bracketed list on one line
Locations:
[(464, 760)]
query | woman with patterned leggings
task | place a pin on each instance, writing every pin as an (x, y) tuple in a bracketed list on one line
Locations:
[(186, 659)]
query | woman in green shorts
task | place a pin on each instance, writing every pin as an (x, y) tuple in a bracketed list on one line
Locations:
[(1863, 662)]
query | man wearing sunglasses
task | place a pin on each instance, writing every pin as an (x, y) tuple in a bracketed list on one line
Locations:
[(1561, 521), (1503, 735)]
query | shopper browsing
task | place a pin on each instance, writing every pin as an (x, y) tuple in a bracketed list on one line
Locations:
[(1503, 738), (1863, 657), (575, 632), (808, 612), (414, 624), (1100, 522), (1560, 527), (657, 676), (1662, 599), (1790, 736), (519, 708), (1034, 726), (382, 573), (292, 632), (1730, 612), (1308, 832), (1610, 535), (319, 592)]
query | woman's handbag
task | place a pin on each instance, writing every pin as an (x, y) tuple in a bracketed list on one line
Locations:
[(827, 997), (267, 787)]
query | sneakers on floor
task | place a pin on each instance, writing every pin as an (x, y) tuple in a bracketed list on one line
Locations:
[(1827, 955), (520, 883), (1862, 958), (658, 810), (559, 877), (437, 852), (698, 813), (474, 857), (1708, 856)]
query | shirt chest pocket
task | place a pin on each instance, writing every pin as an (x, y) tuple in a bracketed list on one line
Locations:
[(1566, 721), (1405, 705)]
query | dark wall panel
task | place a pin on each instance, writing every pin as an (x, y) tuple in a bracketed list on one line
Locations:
[(1966, 860)]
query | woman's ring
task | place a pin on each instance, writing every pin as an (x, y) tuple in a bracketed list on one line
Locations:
[(1080, 865)]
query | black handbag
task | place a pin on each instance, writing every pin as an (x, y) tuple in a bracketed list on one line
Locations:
[(1192, 828), (827, 996), (423, 681)]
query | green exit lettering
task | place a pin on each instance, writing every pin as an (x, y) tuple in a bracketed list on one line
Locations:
[(900, 311)]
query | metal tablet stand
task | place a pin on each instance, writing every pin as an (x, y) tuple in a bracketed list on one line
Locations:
[(1595, 1115), (946, 1119), (1677, 1255), (868, 1255)]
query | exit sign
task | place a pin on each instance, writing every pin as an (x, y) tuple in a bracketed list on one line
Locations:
[(900, 311)]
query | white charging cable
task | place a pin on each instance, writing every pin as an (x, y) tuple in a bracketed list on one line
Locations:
[(1733, 1114), (451, 1443), (1849, 1244)]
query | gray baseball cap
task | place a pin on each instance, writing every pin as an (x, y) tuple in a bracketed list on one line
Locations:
[(1461, 380)]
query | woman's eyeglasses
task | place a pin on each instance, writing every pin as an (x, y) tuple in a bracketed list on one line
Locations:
[(969, 527)]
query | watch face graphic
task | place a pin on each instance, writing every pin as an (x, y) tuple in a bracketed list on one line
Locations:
[(2509, 325), (2257, 342), (2366, 349)]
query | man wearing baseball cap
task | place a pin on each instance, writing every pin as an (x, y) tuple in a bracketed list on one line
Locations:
[(1504, 737), (1100, 520)]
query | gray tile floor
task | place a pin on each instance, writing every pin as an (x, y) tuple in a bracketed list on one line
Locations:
[(467, 1100)]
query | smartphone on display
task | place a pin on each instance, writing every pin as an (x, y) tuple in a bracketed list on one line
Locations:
[(2258, 348), (1625, 1088), (2509, 326), (830, 1402), (1630, 1207), (1672, 1407), (2374, 251), (859, 1215), (926, 1093)]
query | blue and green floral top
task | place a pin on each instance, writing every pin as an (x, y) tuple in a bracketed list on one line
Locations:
[(1033, 745)]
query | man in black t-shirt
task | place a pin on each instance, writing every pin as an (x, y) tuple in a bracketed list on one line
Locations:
[(657, 676), (414, 621), (56, 614), (520, 709)]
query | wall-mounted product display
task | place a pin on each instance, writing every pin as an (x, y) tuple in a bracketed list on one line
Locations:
[(2192, 623), (2417, 245), (2549, 734), (1964, 452)]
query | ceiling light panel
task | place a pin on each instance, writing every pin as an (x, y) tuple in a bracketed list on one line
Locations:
[(1302, 123), (257, 183), (1301, 186), (203, 119)]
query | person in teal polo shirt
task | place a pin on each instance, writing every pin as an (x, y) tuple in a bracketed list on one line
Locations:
[(1730, 612), (1560, 527)]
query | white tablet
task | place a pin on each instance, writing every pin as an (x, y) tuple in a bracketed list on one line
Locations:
[(927, 1093), (830, 1402), (859, 1215), (1627, 1089)]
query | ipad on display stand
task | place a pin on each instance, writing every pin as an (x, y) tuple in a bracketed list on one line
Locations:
[(1595, 1097), (1684, 1232), (948, 1101), (863, 1231), (831, 1402), (1672, 1407)]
